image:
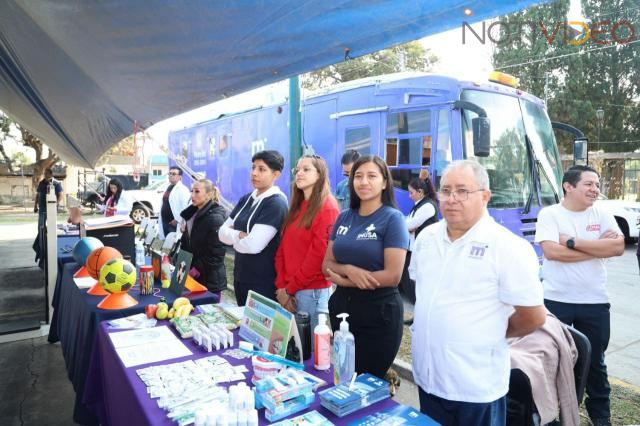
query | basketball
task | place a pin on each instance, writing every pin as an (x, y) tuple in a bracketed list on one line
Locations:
[(84, 247), (117, 275), (99, 257)]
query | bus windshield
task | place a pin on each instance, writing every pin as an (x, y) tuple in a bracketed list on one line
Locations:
[(543, 141), (510, 165)]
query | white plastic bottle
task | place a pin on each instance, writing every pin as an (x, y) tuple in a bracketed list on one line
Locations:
[(322, 344), (140, 260), (344, 353)]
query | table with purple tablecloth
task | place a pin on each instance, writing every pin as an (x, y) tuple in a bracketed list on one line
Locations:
[(117, 396), (77, 322)]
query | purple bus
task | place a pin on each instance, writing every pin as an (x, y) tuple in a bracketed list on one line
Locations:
[(414, 121)]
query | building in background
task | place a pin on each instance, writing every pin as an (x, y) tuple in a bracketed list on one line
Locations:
[(158, 168)]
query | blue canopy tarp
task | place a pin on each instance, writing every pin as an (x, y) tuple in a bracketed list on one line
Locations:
[(78, 73)]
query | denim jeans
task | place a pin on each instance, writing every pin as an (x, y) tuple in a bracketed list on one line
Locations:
[(314, 302)]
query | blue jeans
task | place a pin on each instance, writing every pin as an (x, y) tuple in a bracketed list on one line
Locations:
[(458, 413), (314, 302)]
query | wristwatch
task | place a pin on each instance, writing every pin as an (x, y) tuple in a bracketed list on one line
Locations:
[(571, 243)]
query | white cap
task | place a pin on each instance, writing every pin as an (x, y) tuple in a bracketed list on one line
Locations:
[(344, 325)]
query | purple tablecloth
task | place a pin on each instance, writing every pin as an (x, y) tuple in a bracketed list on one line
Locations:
[(77, 320), (117, 396)]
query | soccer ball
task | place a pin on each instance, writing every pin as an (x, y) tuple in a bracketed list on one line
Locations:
[(117, 276)]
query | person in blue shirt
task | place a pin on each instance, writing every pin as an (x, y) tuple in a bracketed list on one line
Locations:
[(364, 258), (253, 228), (342, 188)]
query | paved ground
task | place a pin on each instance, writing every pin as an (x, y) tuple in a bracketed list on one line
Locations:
[(36, 391)]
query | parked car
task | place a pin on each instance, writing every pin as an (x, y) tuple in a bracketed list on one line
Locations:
[(147, 202), (627, 214)]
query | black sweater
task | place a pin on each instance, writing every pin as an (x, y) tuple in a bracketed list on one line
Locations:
[(203, 242)]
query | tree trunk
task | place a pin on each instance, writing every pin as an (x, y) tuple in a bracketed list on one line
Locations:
[(5, 156), (41, 164)]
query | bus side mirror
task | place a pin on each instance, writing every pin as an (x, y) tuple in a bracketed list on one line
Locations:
[(580, 151), (481, 136)]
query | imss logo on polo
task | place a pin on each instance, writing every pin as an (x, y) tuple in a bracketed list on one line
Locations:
[(368, 234), (477, 250)]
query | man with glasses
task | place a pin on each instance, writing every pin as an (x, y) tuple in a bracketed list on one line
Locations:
[(576, 238), (476, 285), (176, 198)]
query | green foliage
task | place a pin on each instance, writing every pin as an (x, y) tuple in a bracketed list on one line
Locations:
[(406, 57), (578, 78), (20, 159)]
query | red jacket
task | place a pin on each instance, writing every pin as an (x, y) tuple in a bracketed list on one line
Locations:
[(301, 251)]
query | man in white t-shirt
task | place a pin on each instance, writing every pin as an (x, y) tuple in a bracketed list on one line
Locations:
[(576, 238), (476, 284)]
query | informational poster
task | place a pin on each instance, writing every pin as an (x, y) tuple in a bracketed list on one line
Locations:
[(266, 324)]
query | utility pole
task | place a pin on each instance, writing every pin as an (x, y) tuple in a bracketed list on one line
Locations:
[(295, 143)]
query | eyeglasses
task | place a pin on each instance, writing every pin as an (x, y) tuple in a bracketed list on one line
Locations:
[(174, 174), (458, 194)]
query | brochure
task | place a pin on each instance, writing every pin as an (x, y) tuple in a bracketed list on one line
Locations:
[(266, 324), (400, 415)]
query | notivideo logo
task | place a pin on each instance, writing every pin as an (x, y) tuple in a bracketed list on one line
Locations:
[(573, 33)]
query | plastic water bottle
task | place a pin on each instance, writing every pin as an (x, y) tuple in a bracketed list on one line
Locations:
[(322, 344), (344, 353)]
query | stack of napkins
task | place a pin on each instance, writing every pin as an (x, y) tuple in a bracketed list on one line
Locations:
[(344, 399)]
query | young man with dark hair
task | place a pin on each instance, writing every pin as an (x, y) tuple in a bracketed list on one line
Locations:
[(342, 188), (576, 238)]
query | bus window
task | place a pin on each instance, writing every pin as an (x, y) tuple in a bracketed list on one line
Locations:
[(409, 122), (402, 177), (358, 139), (409, 138), (391, 152)]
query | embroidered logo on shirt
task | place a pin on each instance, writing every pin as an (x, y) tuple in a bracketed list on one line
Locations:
[(342, 230), (368, 234), (477, 250), (593, 227)]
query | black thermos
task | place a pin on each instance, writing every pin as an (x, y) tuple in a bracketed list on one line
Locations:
[(304, 330)]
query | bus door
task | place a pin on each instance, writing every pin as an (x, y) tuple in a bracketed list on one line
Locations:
[(359, 132)]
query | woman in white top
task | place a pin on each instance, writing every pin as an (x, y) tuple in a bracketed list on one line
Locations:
[(117, 202), (423, 214)]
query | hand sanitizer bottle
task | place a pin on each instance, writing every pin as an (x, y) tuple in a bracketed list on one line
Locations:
[(322, 344), (344, 352)]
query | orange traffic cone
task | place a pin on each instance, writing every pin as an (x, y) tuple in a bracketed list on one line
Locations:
[(117, 301), (97, 290), (193, 286)]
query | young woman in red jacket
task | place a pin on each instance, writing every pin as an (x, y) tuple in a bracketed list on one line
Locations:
[(300, 283)]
